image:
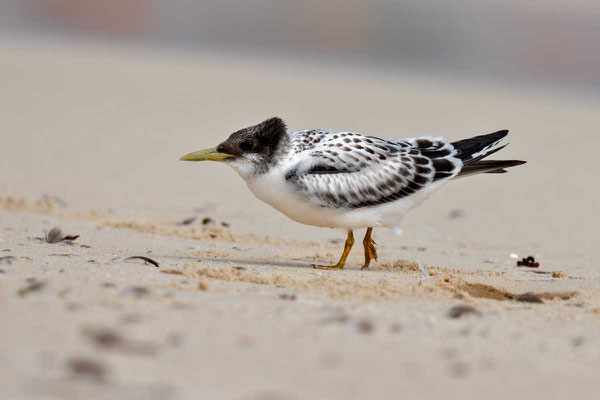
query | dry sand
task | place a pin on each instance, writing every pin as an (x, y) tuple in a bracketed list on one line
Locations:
[(90, 141)]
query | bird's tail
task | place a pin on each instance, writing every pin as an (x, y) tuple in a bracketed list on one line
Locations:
[(472, 151)]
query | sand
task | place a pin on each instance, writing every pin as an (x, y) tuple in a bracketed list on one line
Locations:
[(91, 135)]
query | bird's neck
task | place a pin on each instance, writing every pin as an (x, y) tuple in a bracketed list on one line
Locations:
[(279, 151), (252, 167)]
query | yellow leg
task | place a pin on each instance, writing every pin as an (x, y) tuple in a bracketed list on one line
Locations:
[(370, 252), (340, 264)]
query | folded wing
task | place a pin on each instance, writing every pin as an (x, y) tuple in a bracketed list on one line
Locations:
[(354, 171)]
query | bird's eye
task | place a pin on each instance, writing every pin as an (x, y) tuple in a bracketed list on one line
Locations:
[(246, 145)]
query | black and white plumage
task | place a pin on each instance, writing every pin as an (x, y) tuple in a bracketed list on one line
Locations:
[(347, 180)]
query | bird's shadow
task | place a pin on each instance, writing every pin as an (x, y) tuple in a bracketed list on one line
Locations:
[(256, 262), (287, 264), (226, 260)]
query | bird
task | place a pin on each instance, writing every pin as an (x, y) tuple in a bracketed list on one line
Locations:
[(347, 180)]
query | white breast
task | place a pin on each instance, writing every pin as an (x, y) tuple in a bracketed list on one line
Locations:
[(273, 189)]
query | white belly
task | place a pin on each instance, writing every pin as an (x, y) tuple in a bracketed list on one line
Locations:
[(273, 189)]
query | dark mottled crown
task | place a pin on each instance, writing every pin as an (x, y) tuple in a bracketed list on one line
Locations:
[(261, 139)]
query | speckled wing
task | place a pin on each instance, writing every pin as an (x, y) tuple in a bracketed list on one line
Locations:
[(349, 170)]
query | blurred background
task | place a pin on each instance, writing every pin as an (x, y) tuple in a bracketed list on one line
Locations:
[(553, 43), (99, 99)]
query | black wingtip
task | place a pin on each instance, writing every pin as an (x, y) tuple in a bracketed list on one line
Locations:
[(489, 167), (474, 149)]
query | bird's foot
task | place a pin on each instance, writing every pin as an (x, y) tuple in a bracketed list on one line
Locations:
[(336, 266), (370, 252), (340, 264)]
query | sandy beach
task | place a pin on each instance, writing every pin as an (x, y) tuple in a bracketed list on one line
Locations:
[(91, 136)]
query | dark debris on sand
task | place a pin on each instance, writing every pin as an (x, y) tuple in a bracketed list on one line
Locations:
[(364, 326), (187, 221), (137, 291), (529, 298), (84, 367), (55, 236), (528, 262), (145, 259), (105, 338), (462, 310), (111, 339), (285, 296), (32, 286)]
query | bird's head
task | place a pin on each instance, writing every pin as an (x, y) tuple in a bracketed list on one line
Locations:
[(249, 151)]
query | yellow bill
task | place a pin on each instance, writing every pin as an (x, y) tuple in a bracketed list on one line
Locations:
[(206, 155)]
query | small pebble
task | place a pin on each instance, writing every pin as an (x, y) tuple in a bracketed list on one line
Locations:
[(6, 260)]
